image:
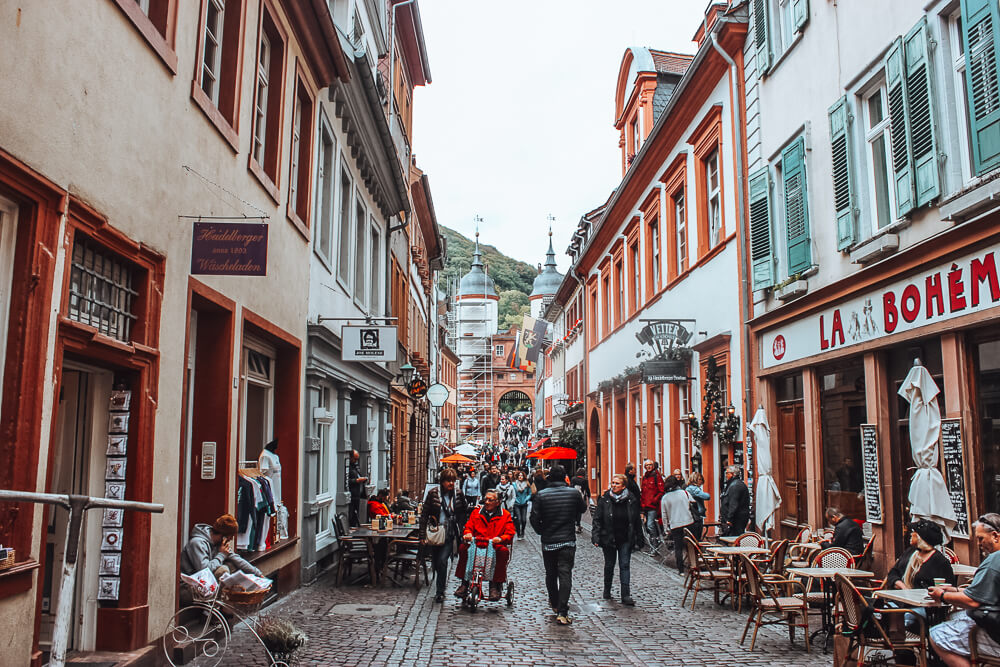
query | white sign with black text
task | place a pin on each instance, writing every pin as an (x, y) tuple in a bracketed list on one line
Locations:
[(368, 343)]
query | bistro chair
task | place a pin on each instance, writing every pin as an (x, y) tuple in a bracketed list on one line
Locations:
[(773, 598), (864, 560), (702, 571), (404, 554), (974, 657), (951, 556), (773, 566), (352, 550), (749, 540), (865, 626), (833, 557), (701, 543)]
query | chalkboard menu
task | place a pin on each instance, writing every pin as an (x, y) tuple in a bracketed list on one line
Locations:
[(953, 461), (873, 481)]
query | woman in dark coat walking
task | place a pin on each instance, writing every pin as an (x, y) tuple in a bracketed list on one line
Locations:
[(444, 506), (617, 529)]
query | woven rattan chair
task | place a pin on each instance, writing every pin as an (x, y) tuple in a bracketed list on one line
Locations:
[(865, 627), (833, 557), (864, 559), (702, 571), (773, 598), (951, 556), (749, 540), (773, 565), (974, 657)]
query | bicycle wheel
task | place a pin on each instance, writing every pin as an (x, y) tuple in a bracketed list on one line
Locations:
[(199, 631)]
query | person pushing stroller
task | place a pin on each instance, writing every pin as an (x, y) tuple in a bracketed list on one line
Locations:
[(488, 523)]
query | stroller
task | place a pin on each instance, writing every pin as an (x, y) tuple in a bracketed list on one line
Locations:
[(479, 572)]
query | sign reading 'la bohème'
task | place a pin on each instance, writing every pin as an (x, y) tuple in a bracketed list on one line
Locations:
[(229, 249)]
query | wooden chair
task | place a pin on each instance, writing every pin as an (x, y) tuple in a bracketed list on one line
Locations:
[(749, 540), (974, 657), (702, 570), (773, 597), (773, 566), (833, 557), (405, 554), (865, 629), (351, 550), (864, 559), (951, 556)]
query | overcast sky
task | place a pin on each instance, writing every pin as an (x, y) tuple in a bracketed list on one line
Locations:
[(517, 123)]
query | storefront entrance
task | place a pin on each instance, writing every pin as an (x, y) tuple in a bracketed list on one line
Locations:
[(77, 467)]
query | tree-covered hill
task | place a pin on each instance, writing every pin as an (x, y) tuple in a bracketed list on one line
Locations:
[(513, 278)]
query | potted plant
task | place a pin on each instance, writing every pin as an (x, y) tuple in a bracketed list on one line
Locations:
[(280, 637)]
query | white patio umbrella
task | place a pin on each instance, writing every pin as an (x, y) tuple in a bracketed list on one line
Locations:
[(929, 497), (466, 450), (768, 500)]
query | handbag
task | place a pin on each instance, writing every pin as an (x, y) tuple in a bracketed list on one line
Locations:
[(436, 535), (988, 620)]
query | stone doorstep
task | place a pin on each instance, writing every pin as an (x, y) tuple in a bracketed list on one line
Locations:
[(143, 657)]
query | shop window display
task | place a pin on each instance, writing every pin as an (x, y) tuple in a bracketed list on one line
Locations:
[(987, 356), (842, 401)]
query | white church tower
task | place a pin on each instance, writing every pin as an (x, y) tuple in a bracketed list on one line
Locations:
[(546, 284), (477, 305)]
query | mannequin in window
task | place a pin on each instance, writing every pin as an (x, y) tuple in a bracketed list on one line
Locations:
[(270, 466)]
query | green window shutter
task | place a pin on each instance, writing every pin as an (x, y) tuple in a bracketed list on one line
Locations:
[(793, 174), (843, 185), (981, 33), (800, 13), (899, 129), (761, 37), (761, 256), (920, 98)]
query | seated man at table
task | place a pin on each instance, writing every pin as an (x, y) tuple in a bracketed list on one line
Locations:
[(490, 522), (846, 532), (950, 640)]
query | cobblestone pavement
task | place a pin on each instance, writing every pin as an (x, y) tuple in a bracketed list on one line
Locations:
[(366, 626)]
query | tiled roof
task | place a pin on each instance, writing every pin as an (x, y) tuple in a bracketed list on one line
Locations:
[(670, 63)]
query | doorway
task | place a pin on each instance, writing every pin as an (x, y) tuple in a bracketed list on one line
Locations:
[(77, 467), (792, 441)]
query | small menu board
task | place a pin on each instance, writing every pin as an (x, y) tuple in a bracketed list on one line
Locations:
[(872, 479), (953, 462)]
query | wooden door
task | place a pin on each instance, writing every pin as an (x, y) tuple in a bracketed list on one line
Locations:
[(792, 471)]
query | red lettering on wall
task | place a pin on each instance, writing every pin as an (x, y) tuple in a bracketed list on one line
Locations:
[(838, 329), (889, 308), (823, 342), (934, 293), (956, 289), (985, 270), (910, 303)]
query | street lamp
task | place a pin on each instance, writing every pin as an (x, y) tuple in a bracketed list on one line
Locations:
[(406, 372)]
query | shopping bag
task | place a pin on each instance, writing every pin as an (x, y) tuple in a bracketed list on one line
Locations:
[(203, 582)]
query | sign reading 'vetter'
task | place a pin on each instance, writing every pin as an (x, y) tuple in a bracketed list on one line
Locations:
[(869, 461), (954, 472), (229, 249)]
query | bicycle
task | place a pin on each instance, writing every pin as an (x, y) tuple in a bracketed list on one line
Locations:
[(204, 627), (656, 545)]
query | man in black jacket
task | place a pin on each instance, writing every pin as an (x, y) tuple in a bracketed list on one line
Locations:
[(846, 532), (734, 503), (356, 485), (554, 511)]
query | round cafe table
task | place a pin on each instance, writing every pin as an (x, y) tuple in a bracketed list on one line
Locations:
[(825, 575)]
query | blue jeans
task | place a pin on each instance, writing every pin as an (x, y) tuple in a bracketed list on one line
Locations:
[(654, 528), (520, 518), (442, 555), (623, 554)]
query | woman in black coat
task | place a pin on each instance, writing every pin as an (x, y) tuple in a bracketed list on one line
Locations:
[(921, 564), (617, 530)]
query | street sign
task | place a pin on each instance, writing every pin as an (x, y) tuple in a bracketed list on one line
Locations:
[(368, 343), (437, 395)]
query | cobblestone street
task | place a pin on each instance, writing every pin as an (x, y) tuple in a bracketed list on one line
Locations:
[(401, 626)]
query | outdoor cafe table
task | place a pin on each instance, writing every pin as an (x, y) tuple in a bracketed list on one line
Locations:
[(963, 570), (733, 554), (372, 536), (917, 597), (728, 539), (825, 573)]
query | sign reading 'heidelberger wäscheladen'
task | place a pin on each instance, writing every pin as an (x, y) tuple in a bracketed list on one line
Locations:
[(229, 249)]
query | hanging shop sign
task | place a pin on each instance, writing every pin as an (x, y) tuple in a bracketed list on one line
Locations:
[(417, 388), (664, 372), (664, 334), (437, 395), (964, 285), (368, 343), (229, 249)]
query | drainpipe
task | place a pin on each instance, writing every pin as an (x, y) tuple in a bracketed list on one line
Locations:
[(741, 216)]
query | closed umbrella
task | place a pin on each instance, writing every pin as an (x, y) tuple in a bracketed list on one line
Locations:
[(929, 498), (768, 500)]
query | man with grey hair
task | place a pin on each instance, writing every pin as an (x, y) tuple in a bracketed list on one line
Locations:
[(734, 503), (982, 597)]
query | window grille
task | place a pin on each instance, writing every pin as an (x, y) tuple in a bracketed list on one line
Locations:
[(101, 290)]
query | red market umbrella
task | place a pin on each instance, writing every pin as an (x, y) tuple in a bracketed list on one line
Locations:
[(533, 455), (553, 453)]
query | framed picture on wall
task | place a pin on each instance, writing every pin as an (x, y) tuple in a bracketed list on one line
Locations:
[(110, 564), (114, 490), (115, 470), (118, 422), (117, 445), (120, 400), (113, 518), (111, 539), (107, 588)]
